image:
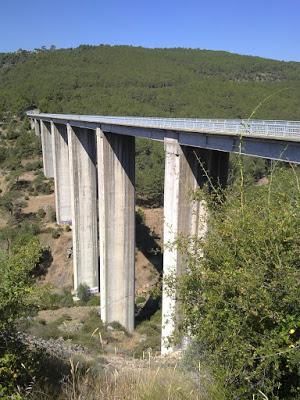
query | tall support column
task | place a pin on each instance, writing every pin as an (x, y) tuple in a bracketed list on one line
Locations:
[(83, 186), (37, 127), (61, 173), (116, 171), (186, 169), (47, 149), (32, 124)]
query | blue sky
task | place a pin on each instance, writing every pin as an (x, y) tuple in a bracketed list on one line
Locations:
[(267, 28)]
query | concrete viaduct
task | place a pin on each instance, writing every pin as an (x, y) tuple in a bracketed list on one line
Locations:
[(92, 161)]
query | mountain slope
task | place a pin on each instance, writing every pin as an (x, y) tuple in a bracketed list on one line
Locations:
[(129, 80)]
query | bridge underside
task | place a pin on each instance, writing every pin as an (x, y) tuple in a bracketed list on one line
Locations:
[(94, 173)]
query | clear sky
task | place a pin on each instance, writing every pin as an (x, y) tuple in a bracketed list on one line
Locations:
[(267, 28)]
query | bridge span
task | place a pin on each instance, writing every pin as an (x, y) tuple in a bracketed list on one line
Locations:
[(92, 161)]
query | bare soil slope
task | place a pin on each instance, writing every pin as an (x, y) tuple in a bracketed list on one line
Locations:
[(36, 202)]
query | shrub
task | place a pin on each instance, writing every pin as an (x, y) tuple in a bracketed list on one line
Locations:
[(12, 134), (3, 154), (43, 187), (140, 299), (51, 214), (117, 326), (241, 300), (52, 301), (33, 166), (17, 364), (66, 299), (55, 233), (41, 213), (93, 301), (83, 292), (27, 145)]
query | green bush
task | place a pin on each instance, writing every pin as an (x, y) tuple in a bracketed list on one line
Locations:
[(43, 187), (34, 165), (41, 213), (93, 301), (12, 134), (16, 280), (3, 154), (241, 300), (66, 300), (52, 301), (68, 228), (140, 299), (117, 326), (55, 233), (27, 145), (51, 214), (83, 292), (17, 364)]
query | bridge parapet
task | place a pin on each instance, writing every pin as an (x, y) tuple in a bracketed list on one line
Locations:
[(278, 129)]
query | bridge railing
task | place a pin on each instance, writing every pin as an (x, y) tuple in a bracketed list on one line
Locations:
[(268, 128)]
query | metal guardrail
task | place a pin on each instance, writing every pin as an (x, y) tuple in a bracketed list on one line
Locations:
[(256, 128)]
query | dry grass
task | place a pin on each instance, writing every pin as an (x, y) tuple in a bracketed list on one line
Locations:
[(130, 382), (136, 384)]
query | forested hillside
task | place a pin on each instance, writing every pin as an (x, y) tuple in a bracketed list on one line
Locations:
[(124, 80)]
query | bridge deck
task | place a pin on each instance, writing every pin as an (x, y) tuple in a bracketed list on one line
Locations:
[(275, 129), (277, 140)]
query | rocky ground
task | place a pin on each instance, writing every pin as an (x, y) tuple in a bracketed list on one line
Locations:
[(60, 348), (66, 350)]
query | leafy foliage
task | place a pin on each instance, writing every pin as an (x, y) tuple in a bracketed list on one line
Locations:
[(17, 365), (241, 300), (16, 273), (83, 292)]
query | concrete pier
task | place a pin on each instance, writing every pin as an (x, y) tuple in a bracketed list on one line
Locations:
[(83, 187), (37, 127), (32, 123), (61, 173), (186, 169), (116, 172), (47, 149)]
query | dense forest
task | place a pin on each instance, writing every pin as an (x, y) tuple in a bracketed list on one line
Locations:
[(125, 80)]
